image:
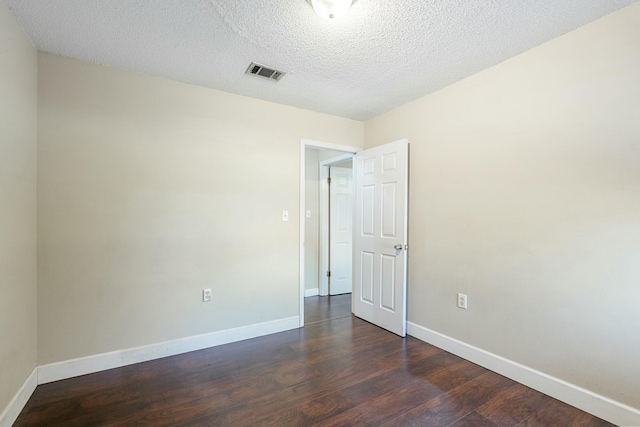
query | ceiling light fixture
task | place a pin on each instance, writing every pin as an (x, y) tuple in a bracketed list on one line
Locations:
[(330, 9)]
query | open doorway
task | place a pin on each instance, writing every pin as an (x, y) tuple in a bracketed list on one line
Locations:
[(335, 241), (317, 159), (380, 245)]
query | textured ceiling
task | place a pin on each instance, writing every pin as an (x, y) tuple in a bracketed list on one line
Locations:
[(381, 55)]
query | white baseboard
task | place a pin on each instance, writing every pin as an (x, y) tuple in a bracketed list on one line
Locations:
[(588, 401), (13, 409), (311, 292), (115, 359)]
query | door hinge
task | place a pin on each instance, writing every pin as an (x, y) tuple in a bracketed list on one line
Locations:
[(329, 180), (328, 274)]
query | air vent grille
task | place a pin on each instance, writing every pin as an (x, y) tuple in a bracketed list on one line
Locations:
[(264, 71)]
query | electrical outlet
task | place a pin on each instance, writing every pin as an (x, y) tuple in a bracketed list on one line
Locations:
[(206, 295), (462, 301)]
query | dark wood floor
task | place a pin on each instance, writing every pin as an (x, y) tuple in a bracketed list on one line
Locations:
[(320, 309), (339, 372)]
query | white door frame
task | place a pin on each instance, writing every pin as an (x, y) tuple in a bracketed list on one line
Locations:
[(323, 238), (304, 144)]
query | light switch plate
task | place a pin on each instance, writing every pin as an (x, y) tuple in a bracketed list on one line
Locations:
[(285, 216)]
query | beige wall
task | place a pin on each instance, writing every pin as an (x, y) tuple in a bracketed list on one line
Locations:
[(525, 194), (151, 190), (18, 85)]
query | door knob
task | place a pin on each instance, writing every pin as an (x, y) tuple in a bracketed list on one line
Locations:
[(398, 247)]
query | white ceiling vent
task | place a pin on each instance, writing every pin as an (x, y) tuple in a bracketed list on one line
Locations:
[(264, 71)]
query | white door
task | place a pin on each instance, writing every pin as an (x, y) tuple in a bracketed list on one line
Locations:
[(380, 237), (340, 230)]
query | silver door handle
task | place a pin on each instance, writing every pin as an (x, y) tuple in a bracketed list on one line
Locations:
[(398, 247)]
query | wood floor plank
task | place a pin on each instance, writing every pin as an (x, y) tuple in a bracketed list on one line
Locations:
[(340, 371), (411, 385), (318, 309), (513, 407), (474, 420), (306, 413), (450, 407), (553, 412), (386, 406)]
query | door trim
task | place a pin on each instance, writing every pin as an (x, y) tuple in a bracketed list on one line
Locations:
[(304, 144)]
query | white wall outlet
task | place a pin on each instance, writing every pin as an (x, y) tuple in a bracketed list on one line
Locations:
[(462, 301), (309, 214), (285, 216), (206, 295)]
